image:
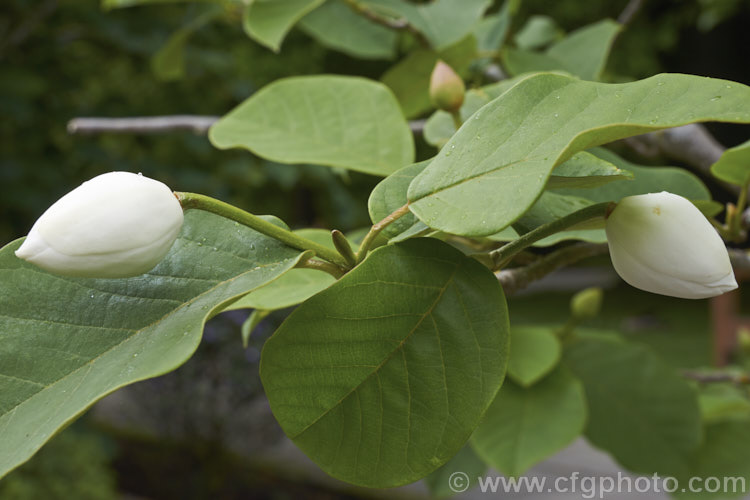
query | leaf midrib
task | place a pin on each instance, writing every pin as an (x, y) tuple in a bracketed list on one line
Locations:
[(387, 358)]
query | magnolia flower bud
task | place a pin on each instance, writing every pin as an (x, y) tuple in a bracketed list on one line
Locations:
[(446, 88), (115, 225), (662, 243)]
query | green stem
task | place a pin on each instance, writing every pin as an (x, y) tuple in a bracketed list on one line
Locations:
[(320, 265), (457, 121), (504, 254), (218, 207), (376, 229)]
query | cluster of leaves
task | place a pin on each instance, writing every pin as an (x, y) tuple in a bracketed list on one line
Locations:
[(382, 376)]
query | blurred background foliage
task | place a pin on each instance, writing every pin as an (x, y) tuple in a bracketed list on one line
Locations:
[(61, 59)]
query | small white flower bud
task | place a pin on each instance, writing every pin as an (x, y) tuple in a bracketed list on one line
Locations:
[(115, 225), (662, 243)]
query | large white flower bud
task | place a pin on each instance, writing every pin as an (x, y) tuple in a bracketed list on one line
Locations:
[(662, 243), (115, 225)]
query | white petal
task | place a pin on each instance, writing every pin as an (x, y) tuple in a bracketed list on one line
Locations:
[(115, 225), (661, 243)]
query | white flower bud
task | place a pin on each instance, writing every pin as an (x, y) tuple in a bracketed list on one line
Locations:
[(115, 225), (662, 243)]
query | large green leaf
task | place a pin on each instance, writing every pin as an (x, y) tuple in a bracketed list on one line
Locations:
[(640, 410), (495, 167), (268, 21), (382, 377), (734, 165), (66, 342), (525, 426), (335, 121), (410, 78), (535, 351), (336, 26)]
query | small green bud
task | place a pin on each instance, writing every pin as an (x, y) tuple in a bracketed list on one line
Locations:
[(447, 89), (586, 303)]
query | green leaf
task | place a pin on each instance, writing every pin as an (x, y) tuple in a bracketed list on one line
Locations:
[(268, 21), (251, 322), (410, 78), (382, 377), (584, 171), (645, 180), (336, 26), (390, 195), (518, 62), (524, 426), (336, 121), (293, 288), (538, 32), (66, 342), (724, 455), (582, 53), (640, 410), (441, 482), (439, 127), (535, 351), (549, 207), (445, 22), (734, 165), (496, 166), (492, 30)]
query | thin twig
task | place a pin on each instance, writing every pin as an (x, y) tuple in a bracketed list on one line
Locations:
[(707, 378), (377, 228), (629, 12), (142, 124), (198, 124), (515, 279)]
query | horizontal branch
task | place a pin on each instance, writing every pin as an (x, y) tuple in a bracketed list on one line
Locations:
[(142, 124), (198, 124), (517, 278), (707, 378)]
